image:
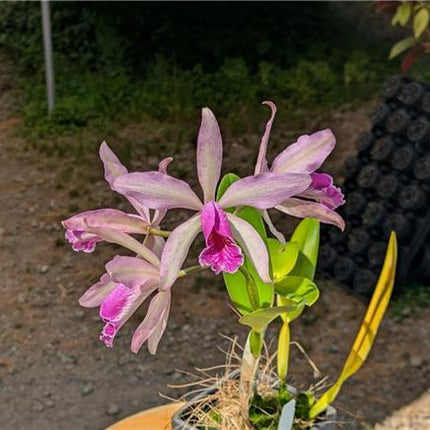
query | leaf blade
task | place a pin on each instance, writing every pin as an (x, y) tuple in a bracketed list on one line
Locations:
[(421, 21), (261, 318), (368, 329), (307, 236), (402, 46)]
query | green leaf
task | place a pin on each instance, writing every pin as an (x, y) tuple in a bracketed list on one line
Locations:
[(401, 46), (292, 315), (421, 22), (265, 292), (282, 257), (226, 181), (307, 236), (237, 289), (402, 15), (248, 292), (261, 318), (298, 289)]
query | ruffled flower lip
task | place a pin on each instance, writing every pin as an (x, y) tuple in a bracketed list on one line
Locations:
[(81, 240), (221, 254)]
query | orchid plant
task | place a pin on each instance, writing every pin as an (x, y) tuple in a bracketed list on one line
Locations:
[(266, 276)]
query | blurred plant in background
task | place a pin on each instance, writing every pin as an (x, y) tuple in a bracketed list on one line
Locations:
[(416, 16), (113, 62)]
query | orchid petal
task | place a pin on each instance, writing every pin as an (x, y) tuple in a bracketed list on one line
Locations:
[(176, 250), (161, 213), (307, 209), (128, 242), (306, 155), (261, 165), (209, 154), (158, 311), (107, 218), (160, 328), (155, 244), (265, 190), (81, 228), (114, 169), (112, 166), (253, 246), (163, 164), (158, 191), (323, 191), (272, 227), (131, 271), (95, 295)]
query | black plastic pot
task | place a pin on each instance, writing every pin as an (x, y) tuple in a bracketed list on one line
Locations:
[(181, 417), (387, 188)]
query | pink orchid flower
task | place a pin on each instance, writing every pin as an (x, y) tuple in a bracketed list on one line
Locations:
[(86, 229), (320, 199), (127, 283), (221, 229)]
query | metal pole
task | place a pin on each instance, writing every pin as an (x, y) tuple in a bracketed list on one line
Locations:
[(47, 46)]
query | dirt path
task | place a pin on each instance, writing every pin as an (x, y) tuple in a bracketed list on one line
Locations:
[(55, 374)]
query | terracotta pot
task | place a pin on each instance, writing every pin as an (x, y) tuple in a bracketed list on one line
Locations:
[(152, 419)]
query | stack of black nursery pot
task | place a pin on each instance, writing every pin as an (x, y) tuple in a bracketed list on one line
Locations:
[(387, 187)]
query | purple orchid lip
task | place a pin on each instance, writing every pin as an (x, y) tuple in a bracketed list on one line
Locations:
[(221, 253), (81, 240), (112, 310)]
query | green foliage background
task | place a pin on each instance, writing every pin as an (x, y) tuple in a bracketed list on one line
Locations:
[(117, 59)]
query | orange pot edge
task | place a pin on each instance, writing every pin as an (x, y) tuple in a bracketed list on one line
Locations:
[(152, 419)]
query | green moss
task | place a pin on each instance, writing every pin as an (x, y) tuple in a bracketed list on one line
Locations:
[(265, 411)]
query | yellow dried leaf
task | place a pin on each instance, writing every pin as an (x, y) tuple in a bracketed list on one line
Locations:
[(369, 327)]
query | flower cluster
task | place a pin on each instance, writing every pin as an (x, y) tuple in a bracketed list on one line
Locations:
[(291, 185)]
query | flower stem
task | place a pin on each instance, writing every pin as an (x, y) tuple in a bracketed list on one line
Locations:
[(156, 232), (283, 351), (190, 270)]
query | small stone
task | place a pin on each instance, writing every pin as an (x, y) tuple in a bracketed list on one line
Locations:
[(43, 269), (79, 314), (416, 361), (38, 407), (176, 376), (87, 389), (47, 393), (113, 409), (49, 403), (332, 349)]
